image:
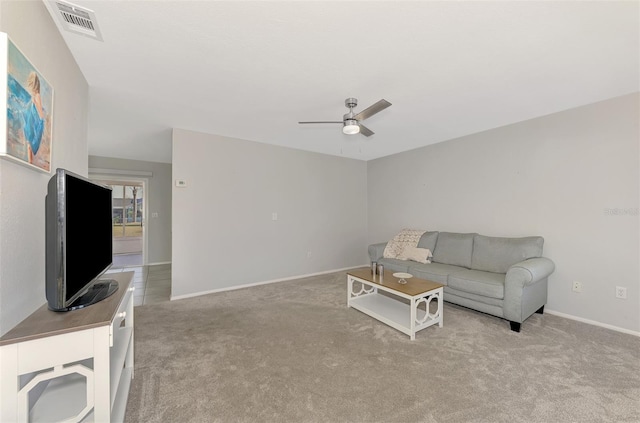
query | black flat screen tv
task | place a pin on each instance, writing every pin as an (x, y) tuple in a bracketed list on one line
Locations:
[(79, 241)]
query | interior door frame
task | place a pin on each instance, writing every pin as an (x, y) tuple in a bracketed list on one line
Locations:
[(145, 201)]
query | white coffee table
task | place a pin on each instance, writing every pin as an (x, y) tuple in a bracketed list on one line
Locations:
[(409, 317)]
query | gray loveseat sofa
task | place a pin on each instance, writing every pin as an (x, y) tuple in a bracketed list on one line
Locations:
[(504, 277)]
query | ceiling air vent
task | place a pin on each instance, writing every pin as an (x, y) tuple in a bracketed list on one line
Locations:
[(78, 19)]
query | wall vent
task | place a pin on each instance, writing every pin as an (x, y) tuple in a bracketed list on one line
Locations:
[(78, 19)]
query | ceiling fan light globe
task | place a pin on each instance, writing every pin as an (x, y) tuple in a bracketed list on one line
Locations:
[(350, 127)]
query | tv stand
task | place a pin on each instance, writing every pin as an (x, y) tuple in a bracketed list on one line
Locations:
[(70, 366), (96, 293)]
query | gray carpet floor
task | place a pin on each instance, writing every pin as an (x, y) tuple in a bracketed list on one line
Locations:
[(293, 352)]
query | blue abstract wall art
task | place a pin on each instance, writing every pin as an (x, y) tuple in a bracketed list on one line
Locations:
[(29, 116)]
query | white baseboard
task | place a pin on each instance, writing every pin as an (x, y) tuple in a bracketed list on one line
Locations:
[(248, 285), (158, 263), (592, 322)]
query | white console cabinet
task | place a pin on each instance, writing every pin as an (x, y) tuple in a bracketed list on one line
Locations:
[(71, 366)]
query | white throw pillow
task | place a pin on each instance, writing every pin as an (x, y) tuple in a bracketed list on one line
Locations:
[(421, 255), (406, 238)]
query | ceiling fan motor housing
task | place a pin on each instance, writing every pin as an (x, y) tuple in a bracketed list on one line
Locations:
[(350, 103)]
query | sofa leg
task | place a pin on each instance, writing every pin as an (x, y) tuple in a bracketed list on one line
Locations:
[(515, 326), (540, 310)]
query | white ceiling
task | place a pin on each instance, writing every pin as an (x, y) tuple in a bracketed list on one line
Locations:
[(252, 70)]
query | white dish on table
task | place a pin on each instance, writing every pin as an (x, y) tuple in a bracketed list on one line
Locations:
[(402, 276)]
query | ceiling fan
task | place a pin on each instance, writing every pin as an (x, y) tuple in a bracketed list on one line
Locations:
[(351, 121)]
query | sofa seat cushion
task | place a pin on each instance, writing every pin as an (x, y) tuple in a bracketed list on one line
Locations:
[(478, 282), (494, 254), (436, 272), (395, 265), (454, 249)]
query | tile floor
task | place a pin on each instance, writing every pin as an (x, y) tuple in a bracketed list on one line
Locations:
[(127, 260), (152, 283)]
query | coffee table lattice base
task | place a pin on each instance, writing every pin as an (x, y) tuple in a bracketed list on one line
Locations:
[(408, 318)]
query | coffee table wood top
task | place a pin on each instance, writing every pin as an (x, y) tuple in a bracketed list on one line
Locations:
[(414, 286)]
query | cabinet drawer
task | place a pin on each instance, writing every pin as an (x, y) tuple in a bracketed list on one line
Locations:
[(124, 315), (126, 299)]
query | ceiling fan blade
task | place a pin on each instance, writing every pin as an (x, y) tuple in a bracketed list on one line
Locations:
[(325, 121), (365, 131), (372, 110)]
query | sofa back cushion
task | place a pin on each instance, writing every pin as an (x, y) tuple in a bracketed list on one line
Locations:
[(428, 241), (453, 248), (493, 254)]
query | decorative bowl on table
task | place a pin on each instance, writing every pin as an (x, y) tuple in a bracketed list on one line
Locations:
[(402, 277)]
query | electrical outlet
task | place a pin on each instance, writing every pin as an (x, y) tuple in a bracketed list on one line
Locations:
[(621, 292), (577, 286)]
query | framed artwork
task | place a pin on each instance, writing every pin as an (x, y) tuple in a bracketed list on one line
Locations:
[(27, 123)]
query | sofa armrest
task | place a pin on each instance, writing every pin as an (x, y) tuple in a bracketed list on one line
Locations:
[(376, 251), (529, 271), (525, 288)]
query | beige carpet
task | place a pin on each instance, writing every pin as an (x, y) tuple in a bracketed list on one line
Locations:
[(293, 352)]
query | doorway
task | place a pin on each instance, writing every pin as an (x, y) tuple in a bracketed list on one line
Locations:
[(128, 224), (129, 220)]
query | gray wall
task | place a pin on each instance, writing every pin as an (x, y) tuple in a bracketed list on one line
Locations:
[(22, 189), (223, 232), (571, 177), (158, 201)]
